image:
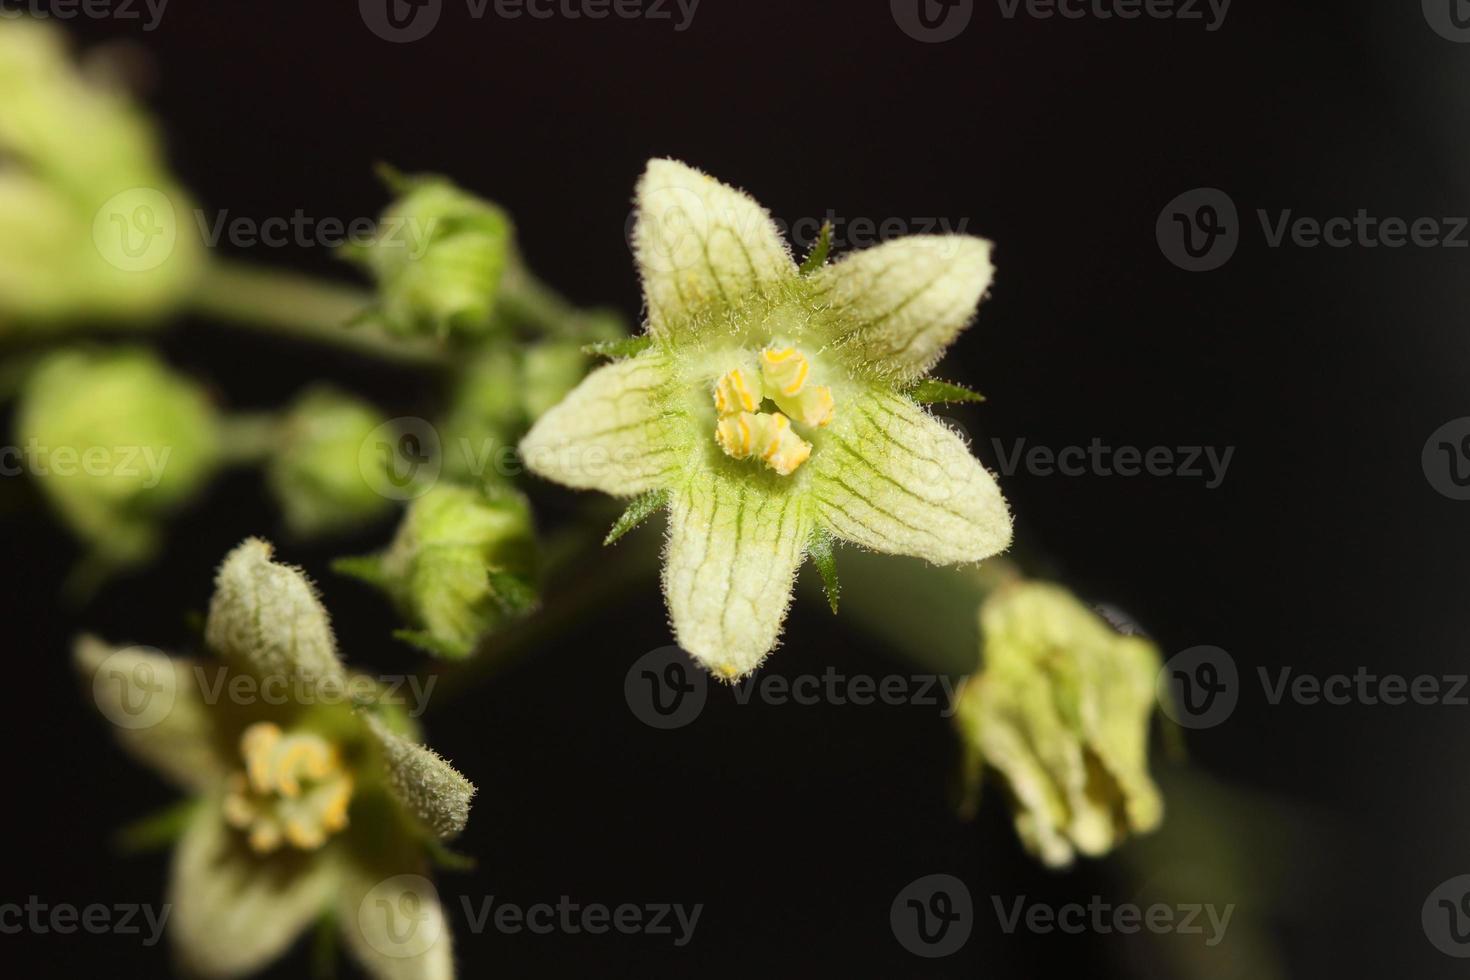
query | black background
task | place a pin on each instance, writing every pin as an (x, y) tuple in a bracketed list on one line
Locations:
[(1325, 548)]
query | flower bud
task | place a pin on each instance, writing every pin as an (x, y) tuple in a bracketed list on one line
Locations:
[(438, 259), (484, 420), (1061, 710), (316, 475), (91, 225), (459, 566), (115, 439), (550, 371)]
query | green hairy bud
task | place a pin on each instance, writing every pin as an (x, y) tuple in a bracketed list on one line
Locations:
[(459, 566), (438, 259), (141, 443), (316, 475)]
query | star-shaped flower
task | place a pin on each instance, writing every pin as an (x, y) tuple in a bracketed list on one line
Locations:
[(768, 406), (307, 806)]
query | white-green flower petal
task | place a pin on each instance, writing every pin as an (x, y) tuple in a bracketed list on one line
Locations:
[(234, 910), (700, 242), (157, 710), (903, 302), (610, 433), (425, 784), (394, 923), (891, 477), (267, 618), (732, 554)]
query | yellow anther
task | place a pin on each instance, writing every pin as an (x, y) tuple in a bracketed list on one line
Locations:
[(293, 789), (734, 394), (766, 435), (785, 371)]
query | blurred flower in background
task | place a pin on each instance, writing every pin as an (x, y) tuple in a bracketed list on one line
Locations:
[(116, 440), (321, 803), (1061, 710), (93, 229)]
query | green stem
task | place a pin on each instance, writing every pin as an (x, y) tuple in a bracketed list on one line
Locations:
[(526, 299), (305, 308), (249, 438), (928, 613)]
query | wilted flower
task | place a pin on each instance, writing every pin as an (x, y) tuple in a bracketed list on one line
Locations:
[(316, 472), (770, 407), (459, 566), (91, 223), (303, 809), (1061, 710), (116, 440), (438, 259)]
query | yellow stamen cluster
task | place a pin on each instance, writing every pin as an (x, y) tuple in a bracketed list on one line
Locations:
[(293, 790), (744, 431)]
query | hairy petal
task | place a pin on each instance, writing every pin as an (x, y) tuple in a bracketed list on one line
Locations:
[(388, 911), (266, 617), (892, 478), (902, 303), (700, 243), (157, 709), (233, 910), (732, 554), (610, 433), (425, 784)]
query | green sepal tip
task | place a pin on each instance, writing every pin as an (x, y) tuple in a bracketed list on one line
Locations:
[(641, 509), (825, 559), (932, 391), (817, 257)]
